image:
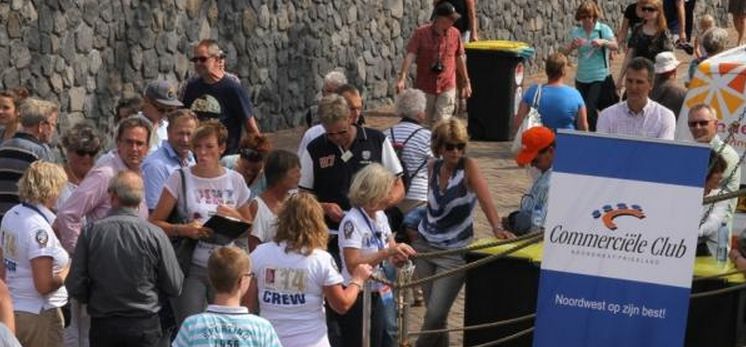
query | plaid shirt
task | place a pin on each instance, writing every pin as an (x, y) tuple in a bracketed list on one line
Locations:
[(431, 47), (653, 121)]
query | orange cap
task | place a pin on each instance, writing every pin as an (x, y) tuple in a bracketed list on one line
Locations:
[(534, 140)]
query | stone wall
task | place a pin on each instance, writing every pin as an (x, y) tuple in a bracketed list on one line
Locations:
[(86, 54)]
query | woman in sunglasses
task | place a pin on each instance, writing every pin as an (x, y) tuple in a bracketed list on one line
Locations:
[(455, 186), (648, 38), (81, 143), (249, 162)]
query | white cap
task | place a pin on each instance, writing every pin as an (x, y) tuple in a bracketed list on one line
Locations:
[(665, 62)]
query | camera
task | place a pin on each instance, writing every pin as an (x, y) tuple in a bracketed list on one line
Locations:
[(686, 47), (437, 67)]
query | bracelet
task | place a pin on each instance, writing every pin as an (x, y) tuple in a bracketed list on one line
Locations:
[(359, 286)]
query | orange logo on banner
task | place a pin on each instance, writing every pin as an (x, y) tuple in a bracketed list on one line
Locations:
[(722, 89)]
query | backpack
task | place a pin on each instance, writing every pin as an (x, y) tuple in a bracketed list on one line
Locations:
[(399, 150)]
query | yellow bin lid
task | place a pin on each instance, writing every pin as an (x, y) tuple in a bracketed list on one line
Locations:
[(497, 45)]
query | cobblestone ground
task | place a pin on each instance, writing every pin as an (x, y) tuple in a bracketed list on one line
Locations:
[(507, 182)]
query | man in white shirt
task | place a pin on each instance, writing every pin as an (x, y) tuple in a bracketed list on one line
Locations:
[(160, 97), (638, 115)]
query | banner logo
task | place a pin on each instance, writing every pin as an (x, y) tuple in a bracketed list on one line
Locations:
[(609, 214)]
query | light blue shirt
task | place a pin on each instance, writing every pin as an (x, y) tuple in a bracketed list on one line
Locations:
[(226, 326), (592, 62), (157, 167), (537, 195)]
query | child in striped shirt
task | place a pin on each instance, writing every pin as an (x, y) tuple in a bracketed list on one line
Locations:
[(226, 323)]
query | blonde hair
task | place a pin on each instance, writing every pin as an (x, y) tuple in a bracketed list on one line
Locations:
[(450, 130), (371, 185), (660, 21), (333, 108), (40, 182), (706, 22), (300, 224), (225, 267)]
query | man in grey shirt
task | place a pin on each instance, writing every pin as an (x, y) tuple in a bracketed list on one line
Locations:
[(121, 265)]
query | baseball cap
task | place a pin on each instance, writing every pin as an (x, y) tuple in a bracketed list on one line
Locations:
[(446, 9), (162, 92), (665, 62), (533, 141)]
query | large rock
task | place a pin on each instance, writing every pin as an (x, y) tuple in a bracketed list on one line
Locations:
[(77, 99)]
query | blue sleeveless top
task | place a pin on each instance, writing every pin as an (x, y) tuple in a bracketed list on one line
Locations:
[(449, 222)]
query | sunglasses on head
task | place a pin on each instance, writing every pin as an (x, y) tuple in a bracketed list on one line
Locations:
[(702, 123), (199, 59), (649, 9), (83, 152), (452, 146), (250, 154)]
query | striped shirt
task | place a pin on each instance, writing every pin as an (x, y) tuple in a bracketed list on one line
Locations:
[(16, 154), (449, 222), (654, 121), (226, 326), (414, 155)]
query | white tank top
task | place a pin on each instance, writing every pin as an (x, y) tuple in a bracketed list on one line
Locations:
[(264, 222)]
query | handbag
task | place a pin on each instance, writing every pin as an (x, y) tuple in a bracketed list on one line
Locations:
[(532, 119), (183, 246), (609, 94)]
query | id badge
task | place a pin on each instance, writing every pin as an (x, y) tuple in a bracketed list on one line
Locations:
[(346, 156), (387, 296)]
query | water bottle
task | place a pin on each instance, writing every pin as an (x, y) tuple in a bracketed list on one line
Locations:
[(537, 218), (722, 250)]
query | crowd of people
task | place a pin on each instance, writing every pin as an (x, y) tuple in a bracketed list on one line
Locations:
[(113, 247)]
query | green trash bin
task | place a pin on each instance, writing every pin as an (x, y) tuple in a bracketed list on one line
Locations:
[(496, 73)]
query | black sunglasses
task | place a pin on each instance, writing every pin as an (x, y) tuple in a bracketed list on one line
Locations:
[(250, 155), (452, 146), (83, 152), (649, 9), (702, 123), (199, 59)]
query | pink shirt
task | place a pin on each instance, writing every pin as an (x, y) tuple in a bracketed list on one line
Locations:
[(90, 201)]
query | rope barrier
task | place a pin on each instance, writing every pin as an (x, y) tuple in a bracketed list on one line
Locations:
[(724, 196), (475, 327), (463, 268), (475, 247), (719, 291), (507, 338)]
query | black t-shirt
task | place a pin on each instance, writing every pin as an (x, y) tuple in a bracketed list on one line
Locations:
[(225, 100), (630, 13), (332, 175), (649, 46)]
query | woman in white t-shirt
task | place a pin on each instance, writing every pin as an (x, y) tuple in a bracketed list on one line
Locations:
[(282, 171), (365, 238), (294, 274), (210, 189), (34, 263)]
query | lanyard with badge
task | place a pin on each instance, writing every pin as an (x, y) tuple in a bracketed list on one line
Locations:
[(41, 235), (384, 290)]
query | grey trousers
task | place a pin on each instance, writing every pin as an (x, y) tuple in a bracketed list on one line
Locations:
[(195, 295), (440, 294)]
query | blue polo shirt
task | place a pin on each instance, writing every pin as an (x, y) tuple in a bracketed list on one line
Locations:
[(592, 62), (157, 167)]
